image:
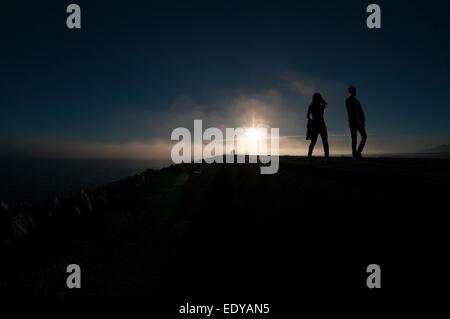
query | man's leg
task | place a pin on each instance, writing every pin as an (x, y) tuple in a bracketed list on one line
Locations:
[(362, 131), (353, 132), (324, 136)]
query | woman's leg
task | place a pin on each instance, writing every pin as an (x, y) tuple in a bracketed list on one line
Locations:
[(324, 136), (312, 144)]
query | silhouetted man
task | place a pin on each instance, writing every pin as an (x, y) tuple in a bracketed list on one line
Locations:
[(357, 122)]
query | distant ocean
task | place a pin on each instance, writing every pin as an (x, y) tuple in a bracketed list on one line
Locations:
[(27, 179)]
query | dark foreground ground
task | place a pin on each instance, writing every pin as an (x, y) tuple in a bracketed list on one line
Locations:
[(226, 233)]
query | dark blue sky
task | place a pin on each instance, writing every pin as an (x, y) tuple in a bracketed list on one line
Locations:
[(140, 57)]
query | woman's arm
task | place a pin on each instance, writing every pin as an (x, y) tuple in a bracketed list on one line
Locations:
[(309, 113)]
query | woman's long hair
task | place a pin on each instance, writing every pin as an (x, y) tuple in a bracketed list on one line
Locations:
[(317, 99)]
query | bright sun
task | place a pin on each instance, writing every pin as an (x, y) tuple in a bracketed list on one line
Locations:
[(253, 135)]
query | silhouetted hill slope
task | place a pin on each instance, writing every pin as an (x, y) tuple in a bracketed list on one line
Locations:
[(225, 231)]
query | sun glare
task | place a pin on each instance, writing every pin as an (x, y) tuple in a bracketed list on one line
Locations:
[(253, 135)]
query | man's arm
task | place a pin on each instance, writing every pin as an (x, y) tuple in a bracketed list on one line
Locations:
[(350, 110), (362, 113)]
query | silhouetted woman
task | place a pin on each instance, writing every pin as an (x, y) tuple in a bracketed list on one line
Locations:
[(316, 124)]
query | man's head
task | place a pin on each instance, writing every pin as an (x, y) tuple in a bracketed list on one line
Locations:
[(352, 90)]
